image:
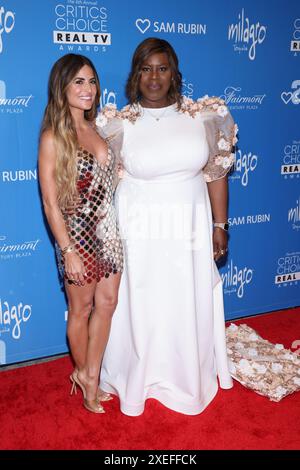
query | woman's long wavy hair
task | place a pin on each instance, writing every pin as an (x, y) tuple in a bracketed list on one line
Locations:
[(144, 50), (58, 119)]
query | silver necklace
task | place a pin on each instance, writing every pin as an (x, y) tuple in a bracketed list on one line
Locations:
[(157, 117)]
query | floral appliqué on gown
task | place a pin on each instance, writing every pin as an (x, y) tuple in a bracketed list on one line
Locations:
[(266, 368)]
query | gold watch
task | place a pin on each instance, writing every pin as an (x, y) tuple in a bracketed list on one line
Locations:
[(224, 226)]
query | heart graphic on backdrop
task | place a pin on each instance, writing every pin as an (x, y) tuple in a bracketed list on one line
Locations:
[(143, 25), (286, 96)]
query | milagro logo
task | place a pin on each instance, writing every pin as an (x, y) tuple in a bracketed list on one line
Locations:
[(12, 317), (249, 219), (22, 249), (295, 42), (236, 279), (12, 104), (107, 98), (291, 160), (81, 26), (7, 23), (294, 215), (169, 27), (246, 36), (288, 269), (245, 164), (292, 97), (2, 352), (235, 100)]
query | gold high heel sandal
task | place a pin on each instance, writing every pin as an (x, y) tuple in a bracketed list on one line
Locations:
[(91, 405), (103, 396)]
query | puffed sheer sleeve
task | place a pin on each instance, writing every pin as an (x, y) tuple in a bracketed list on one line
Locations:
[(221, 137), (110, 128)]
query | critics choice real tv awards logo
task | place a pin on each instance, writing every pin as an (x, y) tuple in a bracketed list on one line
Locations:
[(295, 42), (187, 88), (288, 270), (169, 27), (290, 167), (81, 25), (7, 23), (246, 36)]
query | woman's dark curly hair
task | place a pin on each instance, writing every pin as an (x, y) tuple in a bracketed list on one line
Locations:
[(144, 50)]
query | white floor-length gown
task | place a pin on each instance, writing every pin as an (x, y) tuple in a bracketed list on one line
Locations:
[(168, 335)]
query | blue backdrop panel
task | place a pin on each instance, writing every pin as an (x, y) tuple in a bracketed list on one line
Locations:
[(248, 54)]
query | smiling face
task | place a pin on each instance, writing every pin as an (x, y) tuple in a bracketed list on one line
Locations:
[(81, 92), (155, 81)]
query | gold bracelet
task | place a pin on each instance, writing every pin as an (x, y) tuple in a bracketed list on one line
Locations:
[(67, 249)]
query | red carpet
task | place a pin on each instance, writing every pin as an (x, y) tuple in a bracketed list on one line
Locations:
[(37, 412)]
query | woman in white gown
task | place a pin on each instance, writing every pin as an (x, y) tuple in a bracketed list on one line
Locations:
[(168, 334)]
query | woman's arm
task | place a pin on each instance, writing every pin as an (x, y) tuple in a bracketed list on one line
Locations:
[(218, 194), (47, 158), (47, 161)]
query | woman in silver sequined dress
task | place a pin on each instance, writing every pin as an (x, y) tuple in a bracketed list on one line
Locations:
[(76, 173)]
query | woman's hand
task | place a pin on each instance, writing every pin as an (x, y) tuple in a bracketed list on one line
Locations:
[(220, 243), (74, 268)]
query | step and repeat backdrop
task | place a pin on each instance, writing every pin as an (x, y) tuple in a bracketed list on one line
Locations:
[(246, 52)]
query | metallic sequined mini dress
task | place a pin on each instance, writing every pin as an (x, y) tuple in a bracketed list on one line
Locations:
[(91, 220)]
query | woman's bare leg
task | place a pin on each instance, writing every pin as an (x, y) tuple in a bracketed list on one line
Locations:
[(105, 301), (80, 305)]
